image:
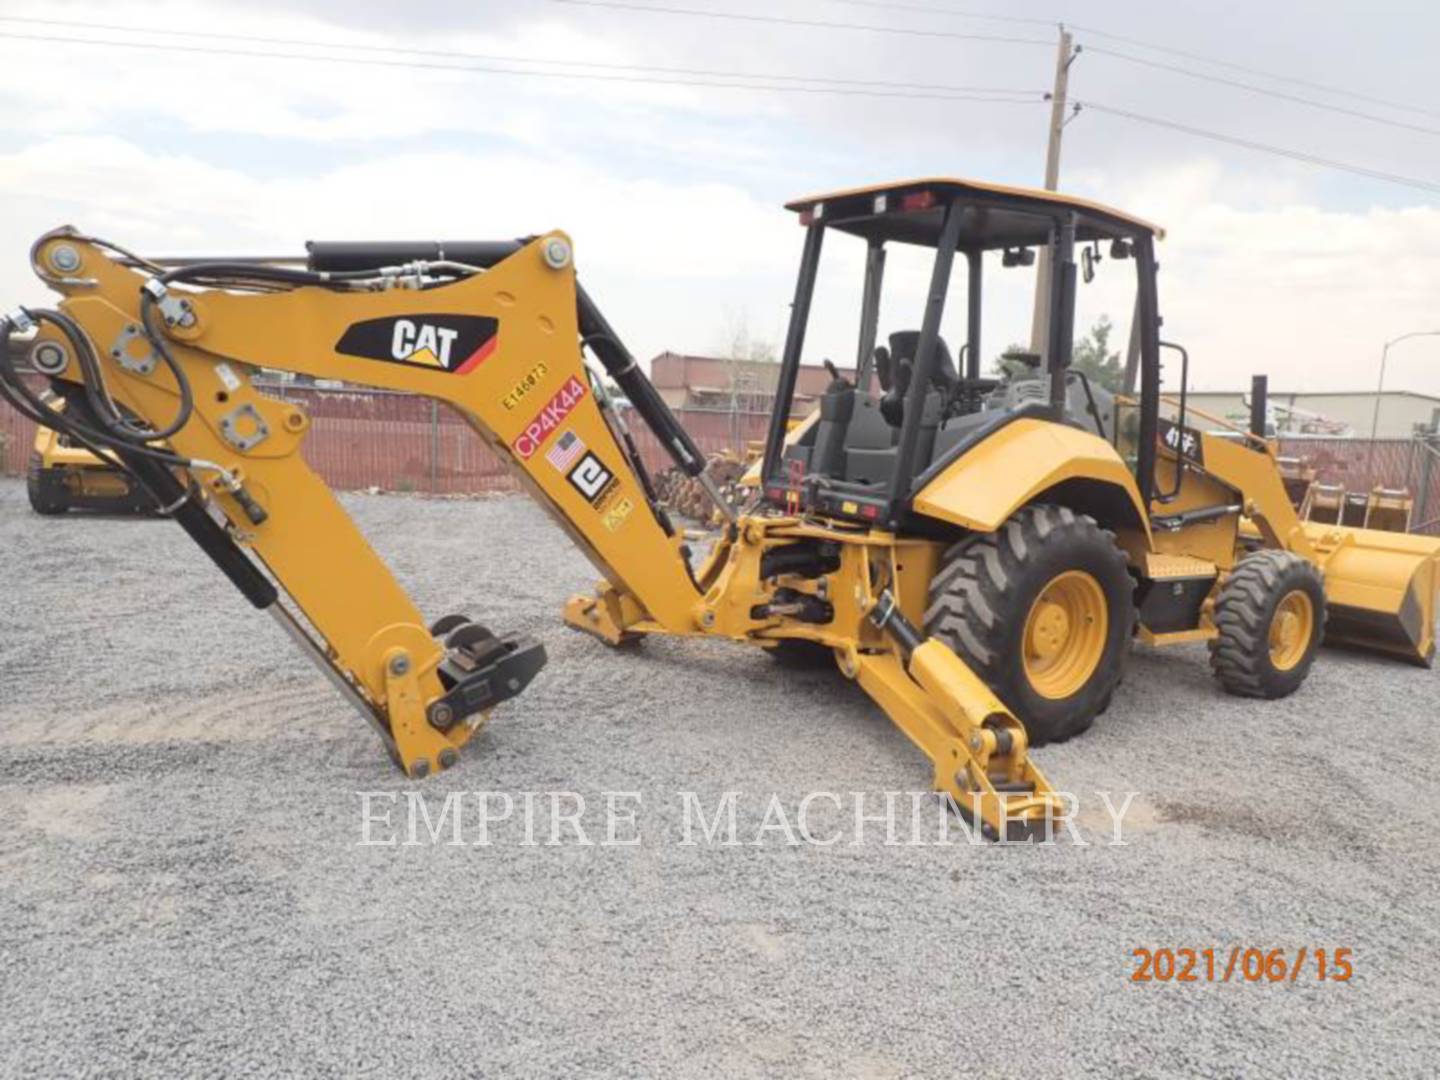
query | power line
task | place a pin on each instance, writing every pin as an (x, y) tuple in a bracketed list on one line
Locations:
[(995, 95), (1252, 88), (778, 20), (952, 12), (495, 58), (1266, 148), (1294, 155), (1355, 95), (1329, 89), (1012, 97)]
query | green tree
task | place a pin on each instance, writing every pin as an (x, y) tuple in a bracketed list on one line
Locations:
[(1002, 368), (1094, 357)]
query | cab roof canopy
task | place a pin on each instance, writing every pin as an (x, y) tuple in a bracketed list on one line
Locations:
[(912, 212)]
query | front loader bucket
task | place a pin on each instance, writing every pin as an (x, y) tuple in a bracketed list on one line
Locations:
[(1381, 588)]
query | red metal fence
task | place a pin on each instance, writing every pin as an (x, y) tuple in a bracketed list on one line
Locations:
[(397, 442), (1360, 464)]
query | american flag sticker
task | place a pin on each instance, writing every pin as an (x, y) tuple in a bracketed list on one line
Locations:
[(567, 448)]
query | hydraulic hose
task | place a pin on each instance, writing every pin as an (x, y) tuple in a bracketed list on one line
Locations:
[(101, 408), (641, 392)]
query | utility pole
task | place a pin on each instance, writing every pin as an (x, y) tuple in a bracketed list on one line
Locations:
[(1064, 57), (1380, 392)]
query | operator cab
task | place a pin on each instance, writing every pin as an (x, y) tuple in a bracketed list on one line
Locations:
[(916, 403)]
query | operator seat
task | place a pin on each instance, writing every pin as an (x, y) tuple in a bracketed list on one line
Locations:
[(900, 360), (874, 429), (837, 406)]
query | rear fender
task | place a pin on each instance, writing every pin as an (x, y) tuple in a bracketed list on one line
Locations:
[(1028, 459)]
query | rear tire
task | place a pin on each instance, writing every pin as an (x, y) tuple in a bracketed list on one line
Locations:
[(1271, 617), (1043, 611)]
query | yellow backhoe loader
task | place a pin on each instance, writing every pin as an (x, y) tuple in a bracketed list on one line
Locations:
[(977, 552)]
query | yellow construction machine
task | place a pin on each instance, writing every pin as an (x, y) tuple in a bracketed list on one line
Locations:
[(62, 476), (977, 552)]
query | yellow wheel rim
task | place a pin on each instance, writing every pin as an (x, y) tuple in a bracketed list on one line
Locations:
[(1290, 630), (1065, 634)]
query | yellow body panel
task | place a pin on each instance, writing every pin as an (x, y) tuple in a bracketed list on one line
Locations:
[(1015, 465), (1212, 541), (536, 309)]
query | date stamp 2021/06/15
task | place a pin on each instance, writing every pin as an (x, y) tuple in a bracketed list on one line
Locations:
[(1242, 964)]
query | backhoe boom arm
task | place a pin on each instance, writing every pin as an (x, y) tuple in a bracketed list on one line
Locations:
[(500, 342)]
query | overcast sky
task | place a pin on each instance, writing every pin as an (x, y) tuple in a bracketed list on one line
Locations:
[(673, 193)]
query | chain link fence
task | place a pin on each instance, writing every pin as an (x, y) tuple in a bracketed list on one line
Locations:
[(1359, 465), (398, 442)]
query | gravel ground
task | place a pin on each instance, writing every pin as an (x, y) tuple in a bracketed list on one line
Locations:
[(183, 891)]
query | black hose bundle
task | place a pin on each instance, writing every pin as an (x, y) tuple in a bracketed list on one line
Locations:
[(110, 428), (91, 418)]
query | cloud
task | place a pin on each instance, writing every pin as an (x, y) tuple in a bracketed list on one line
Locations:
[(1304, 293), (673, 194), (193, 84), (668, 257)]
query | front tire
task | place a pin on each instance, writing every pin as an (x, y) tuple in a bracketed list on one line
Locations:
[(1043, 610), (1270, 615)]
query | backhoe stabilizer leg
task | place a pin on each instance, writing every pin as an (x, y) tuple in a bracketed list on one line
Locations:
[(978, 747), (608, 614)]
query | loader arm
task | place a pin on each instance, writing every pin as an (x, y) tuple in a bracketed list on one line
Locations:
[(501, 346)]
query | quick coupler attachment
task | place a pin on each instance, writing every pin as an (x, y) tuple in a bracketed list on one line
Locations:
[(480, 670)]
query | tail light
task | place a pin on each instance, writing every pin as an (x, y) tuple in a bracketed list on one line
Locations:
[(812, 214)]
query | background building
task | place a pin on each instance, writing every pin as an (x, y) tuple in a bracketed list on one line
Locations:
[(1333, 414), (711, 382)]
